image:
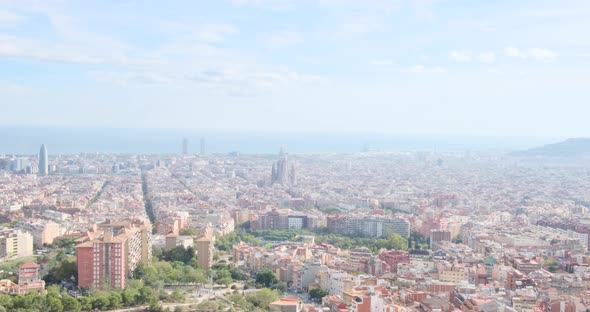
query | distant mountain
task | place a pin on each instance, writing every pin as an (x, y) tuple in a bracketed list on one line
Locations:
[(570, 148)]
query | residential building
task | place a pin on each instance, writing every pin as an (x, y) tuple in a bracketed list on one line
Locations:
[(368, 226), (206, 247), (439, 235), (109, 253), (15, 244), (29, 280), (205, 250), (287, 304), (43, 231)]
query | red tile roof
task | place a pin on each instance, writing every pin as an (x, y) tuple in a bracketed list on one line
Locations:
[(29, 265)]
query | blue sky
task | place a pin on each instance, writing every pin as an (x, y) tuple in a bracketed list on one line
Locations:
[(404, 67)]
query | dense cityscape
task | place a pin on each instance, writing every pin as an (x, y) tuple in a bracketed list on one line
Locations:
[(294, 156), (367, 231)]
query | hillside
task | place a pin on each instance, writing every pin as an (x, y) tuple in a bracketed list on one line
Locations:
[(570, 148)]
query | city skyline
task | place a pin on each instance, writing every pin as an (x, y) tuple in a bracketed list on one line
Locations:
[(43, 161), (445, 67), (295, 155), (24, 140)]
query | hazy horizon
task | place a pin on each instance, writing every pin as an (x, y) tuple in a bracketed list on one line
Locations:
[(73, 140), (500, 68)]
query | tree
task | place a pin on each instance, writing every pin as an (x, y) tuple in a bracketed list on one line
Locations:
[(65, 271), (53, 291), (396, 241), (86, 303), (114, 300), (318, 293), (188, 231), (140, 271), (226, 242), (101, 302), (237, 274), (192, 275), (266, 278), (61, 256), (177, 295), (262, 298), (70, 303), (280, 286), (551, 265), (29, 302), (5, 301), (223, 276), (129, 296), (154, 305), (146, 294), (208, 306), (224, 281), (65, 243), (178, 253), (53, 305), (240, 301)]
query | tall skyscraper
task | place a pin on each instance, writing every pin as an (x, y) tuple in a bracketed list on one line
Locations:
[(184, 146), (43, 161), (280, 169), (203, 146)]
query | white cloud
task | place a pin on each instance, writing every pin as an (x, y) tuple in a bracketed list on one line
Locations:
[(382, 63), (424, 69), (248, 81), (246, 2), (537, 54), (235, 80), (542, 55), (275, 5), (214, 32), (361, 26), (461, 56), (9, 19), (203, 33), (495, 71), (8, 49), (373, 5), (553, 13), (393, 67), (424, 9), (13, 88), (254, 75), (63, 52), (487, 57), (283, 39), (515, 52), (126, 78)]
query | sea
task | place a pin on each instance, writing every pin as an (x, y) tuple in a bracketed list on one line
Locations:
[(26, 140)]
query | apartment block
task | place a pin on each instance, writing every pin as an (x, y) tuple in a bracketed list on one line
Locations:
[(368, 226), (43, 231), (108, 254), (15, 244), (280, 220)]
